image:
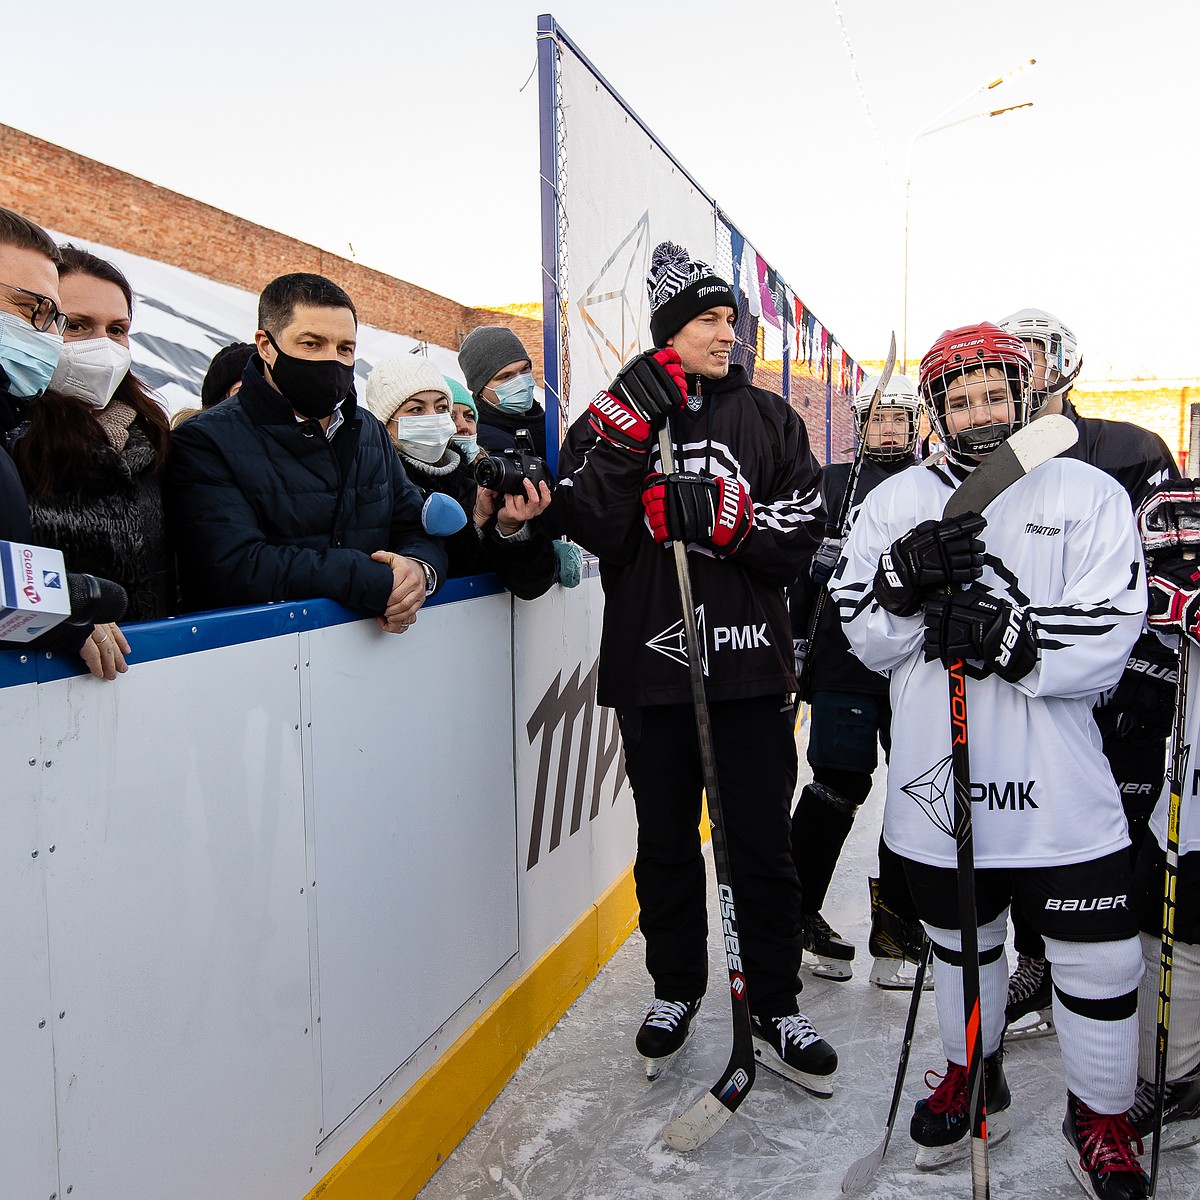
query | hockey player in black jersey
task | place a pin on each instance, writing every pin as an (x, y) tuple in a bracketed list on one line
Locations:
[(1134, 719), (850, 717), (1054, 598), (744, 500)]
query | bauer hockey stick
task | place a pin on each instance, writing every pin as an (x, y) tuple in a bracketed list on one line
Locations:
[(840, 527), (693, 1128), (1010, 461), (861, 1174), (1179, 754)]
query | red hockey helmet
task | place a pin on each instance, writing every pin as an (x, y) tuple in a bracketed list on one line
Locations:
[(975, 381)]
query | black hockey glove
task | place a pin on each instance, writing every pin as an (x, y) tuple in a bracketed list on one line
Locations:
[(933, 556), (820, 570), (979, 627), (1174, 590), (646, 391), (1168, 518), (700, 509), (1142, 705)]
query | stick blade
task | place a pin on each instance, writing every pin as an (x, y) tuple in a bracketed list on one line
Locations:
[(691, 1130), (1029, 447), (861, 1174)]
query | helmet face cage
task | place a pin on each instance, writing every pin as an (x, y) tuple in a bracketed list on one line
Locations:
[(976, 383), (897, 418), (1057, 343)]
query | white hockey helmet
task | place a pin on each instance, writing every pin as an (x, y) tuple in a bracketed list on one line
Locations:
[(900, 393), (1043, 330)]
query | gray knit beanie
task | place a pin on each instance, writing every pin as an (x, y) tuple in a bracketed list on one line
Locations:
[(485, 352), (682, 288)]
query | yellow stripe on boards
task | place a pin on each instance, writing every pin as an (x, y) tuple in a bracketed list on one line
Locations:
[(408, 1144)]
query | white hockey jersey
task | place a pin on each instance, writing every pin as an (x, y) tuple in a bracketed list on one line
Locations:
[(1060, 542), (1189, 815)]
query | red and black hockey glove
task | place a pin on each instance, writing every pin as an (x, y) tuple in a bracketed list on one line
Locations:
[(646, 391), (698, 509), (1173, 585), (979, 627), (928, 559)]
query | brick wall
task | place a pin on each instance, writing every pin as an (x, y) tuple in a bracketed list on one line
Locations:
[(84, 198), (1163, 410)]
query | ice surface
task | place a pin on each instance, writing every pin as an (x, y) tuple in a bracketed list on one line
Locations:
[(579, 1120)]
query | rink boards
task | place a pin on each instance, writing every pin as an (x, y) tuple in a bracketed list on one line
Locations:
[(287, 904)]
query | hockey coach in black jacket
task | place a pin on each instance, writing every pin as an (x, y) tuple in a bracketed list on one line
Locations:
[(745, 501), (289, 490)]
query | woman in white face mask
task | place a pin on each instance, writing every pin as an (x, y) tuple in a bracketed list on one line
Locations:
[(91, 453), (415, 402)]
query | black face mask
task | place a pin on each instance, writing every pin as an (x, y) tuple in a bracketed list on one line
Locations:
[(314, 387)]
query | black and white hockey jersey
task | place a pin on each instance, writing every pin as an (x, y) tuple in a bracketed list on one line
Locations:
[(1061, 543), (730, 429)]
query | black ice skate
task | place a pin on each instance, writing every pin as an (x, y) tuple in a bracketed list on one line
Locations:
[(896, 946), (1029, 1012), (666, 1028), (941, 1123), (791, 1047), (833, 953), (1181, 1111), (1103, 1153)]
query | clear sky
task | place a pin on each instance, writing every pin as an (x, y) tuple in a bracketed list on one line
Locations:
[(402, 130)]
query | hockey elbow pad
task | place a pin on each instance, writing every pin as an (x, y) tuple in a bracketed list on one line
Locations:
[(928, 559)]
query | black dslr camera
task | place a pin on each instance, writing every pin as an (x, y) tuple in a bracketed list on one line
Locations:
[(507, 471)]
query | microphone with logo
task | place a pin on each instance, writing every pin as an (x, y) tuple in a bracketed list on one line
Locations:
[(37, 593)]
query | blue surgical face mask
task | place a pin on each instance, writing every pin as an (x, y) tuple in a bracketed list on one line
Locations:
[(515, 395), (27, 356), (468, 445)]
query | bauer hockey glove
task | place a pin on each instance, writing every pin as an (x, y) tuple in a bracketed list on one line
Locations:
[(700, 509), (820, 570), (933, 556), (646, 391), (980, 627), (1173, 585)]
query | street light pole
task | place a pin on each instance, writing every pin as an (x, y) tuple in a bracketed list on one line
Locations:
[(934, 127)]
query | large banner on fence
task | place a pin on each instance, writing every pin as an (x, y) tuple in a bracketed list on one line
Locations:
[(611, 192)]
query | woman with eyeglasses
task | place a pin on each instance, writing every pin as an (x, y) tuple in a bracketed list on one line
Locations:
[(91, 453)]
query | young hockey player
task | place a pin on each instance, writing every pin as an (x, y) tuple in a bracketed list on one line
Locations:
[(1169, 520), (1135, 717), (744, 500), (849, 714), (1055, 600)]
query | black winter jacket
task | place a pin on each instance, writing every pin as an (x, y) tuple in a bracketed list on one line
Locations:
[(738, 430), (498, 430), (264, 507), (525, 567), (111, 524)]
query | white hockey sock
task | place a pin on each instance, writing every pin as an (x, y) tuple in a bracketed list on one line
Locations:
[(1183, 1044), (1095, 1012), (948, 986)]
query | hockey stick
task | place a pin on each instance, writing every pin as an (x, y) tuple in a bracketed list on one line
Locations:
[(1179, 754), (840, 527), (1027, 448), (861, 1174), (693, 1128)]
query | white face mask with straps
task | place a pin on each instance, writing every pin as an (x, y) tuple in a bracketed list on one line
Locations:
[(91, 370), (424, 438)]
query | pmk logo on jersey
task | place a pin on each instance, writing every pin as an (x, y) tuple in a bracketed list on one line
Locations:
[(1013, 794), (672, 641)]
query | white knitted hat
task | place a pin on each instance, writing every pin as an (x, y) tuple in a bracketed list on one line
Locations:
[(395, 379)]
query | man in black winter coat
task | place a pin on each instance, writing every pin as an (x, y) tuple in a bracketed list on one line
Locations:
[(743, 500), (289, 490)]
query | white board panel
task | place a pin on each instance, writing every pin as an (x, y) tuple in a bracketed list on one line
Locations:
[(28, 1151), (414, 828), (576, 821), (178, 928)]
